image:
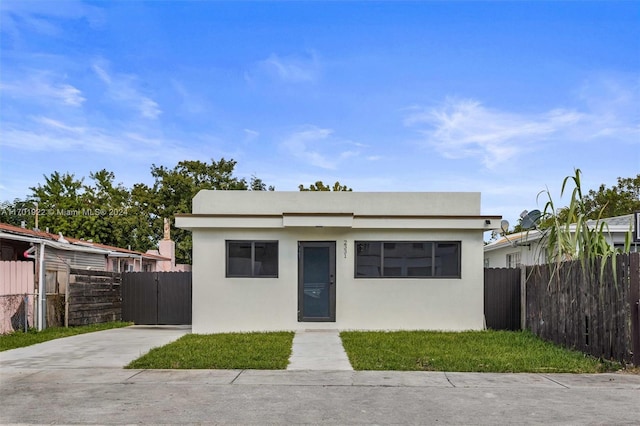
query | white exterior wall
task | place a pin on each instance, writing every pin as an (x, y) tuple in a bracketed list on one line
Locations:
[(223, 304), (371, 203), (530, 255), (253, 304)]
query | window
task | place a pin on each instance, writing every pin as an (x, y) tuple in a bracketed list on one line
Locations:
[(425, 259), (513, 260), (252, 259)]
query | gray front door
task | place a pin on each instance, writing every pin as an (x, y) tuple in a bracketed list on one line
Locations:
[(317, 281)]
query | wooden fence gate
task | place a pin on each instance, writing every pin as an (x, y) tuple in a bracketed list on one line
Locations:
[(156, 298), (502, 303)]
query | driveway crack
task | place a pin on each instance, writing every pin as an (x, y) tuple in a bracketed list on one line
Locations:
[(555, 381), (235, 378), (449, 380), (139, 372)]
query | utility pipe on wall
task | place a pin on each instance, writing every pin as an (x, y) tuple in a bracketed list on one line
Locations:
[(28, 254), (42, 291)]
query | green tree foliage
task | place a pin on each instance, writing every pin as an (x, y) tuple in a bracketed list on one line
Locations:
[(256, 184), (18, 212), (319, 186), (112, 214), (173, 191), (61, 205), (624, 198), (619, 200), (96, 211)]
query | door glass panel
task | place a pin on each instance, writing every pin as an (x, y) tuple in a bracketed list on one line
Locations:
[(316, 281)]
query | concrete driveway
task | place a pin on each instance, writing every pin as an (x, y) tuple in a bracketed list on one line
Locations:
[(113, 348), (80, 380)]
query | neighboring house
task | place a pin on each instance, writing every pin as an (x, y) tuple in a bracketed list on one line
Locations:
[(344, 260), (529, 247), (60, 253)]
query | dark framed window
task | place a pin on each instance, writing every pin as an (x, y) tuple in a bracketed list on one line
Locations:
[(258, 259), (407, 259)]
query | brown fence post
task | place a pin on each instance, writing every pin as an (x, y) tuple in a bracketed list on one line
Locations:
[(634, 303), (523, 297)]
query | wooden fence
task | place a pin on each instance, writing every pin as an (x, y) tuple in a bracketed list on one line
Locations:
[(93, 297), (17, 284), (579, 310)]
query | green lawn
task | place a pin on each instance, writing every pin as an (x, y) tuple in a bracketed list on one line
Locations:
[(268, 351), (20, 339), (481, 351)]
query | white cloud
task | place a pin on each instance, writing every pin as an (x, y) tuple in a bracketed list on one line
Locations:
[(191, 103), (58, 125), (465, 128), (42, 87), (304, 144), (250, 134), (614, 105), (46, 17), (46, 134), (318, 147), (291, 69), (122, 89), (606, 110)]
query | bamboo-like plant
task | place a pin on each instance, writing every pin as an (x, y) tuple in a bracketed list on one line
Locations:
[(569, 236)]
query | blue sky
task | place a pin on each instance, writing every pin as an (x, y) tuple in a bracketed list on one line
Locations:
[(505, 98)]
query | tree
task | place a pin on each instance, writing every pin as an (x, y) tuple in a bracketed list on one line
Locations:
[(61, 204), (173, 191), (107, 205), (624, 198), (96, 212), (112, 214), (18, 212), (256, 184), (619, 200), (319, 186)]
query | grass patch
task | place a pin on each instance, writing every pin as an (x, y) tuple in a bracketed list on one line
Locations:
[(479, 351), (268, 351), (20, 339)]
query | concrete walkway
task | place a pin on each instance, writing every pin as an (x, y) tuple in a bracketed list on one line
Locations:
[(318, 350)]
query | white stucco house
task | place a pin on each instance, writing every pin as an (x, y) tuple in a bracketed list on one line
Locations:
[(340, 260), (529, 247)]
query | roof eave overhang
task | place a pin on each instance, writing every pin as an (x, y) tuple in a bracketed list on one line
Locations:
[(337, 220)]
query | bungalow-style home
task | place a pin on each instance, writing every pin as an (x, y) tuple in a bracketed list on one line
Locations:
[(342, 260), (63, 251), (22, 249), (529, 247)]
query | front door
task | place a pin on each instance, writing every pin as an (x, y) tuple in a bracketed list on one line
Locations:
[(317, 281)]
